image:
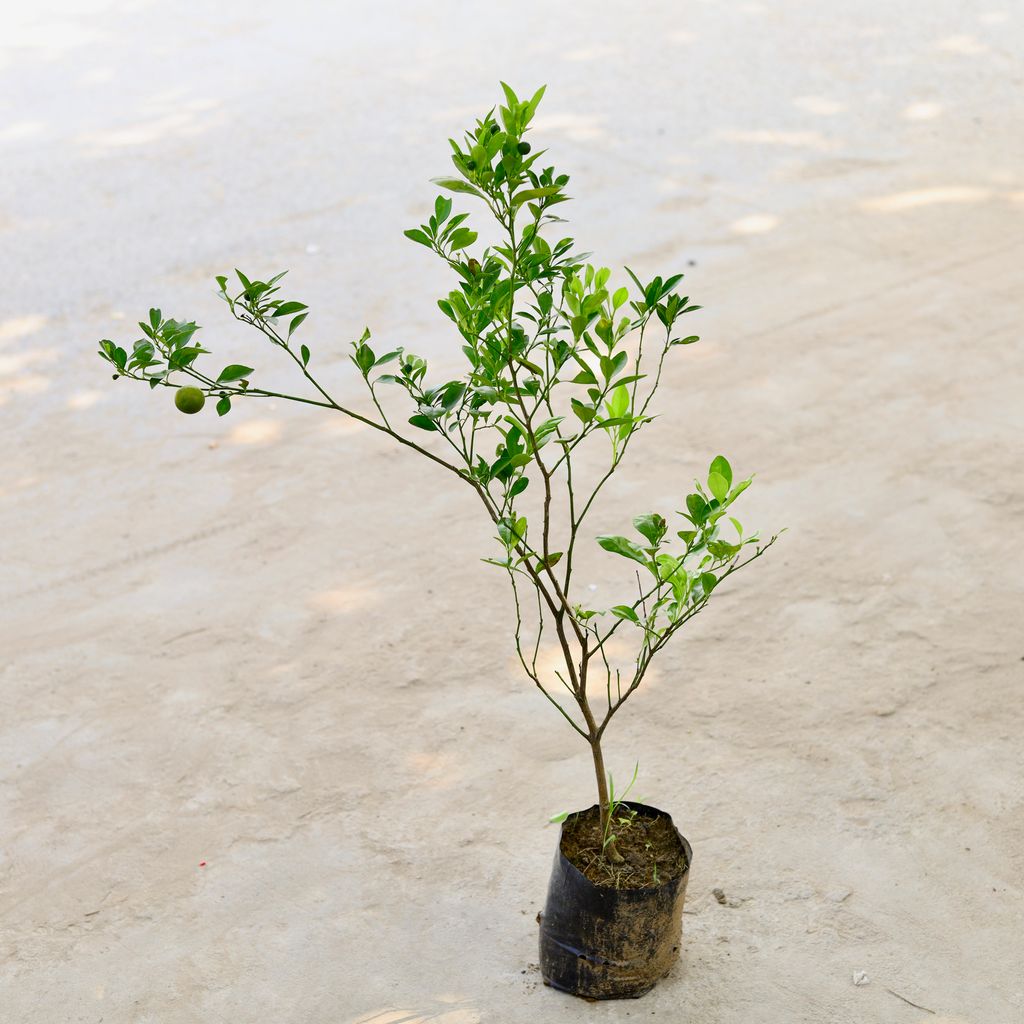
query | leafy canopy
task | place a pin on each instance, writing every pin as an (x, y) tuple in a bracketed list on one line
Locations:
[(557, 356)]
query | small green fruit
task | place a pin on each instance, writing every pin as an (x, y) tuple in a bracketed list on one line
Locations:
[(189, 400), (524, 148)]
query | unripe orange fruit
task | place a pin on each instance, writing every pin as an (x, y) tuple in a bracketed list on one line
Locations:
[(189, 400)]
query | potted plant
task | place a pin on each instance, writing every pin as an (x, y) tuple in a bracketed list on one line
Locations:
[(556, 359)]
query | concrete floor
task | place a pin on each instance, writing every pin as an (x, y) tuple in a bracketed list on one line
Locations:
[(265, 644)]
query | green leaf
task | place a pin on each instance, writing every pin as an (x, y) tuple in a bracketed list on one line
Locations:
[(708, 581), (520, 527), (154, 318), (287, 308), (442, 207), (585, 376), (537, 97), (698, 508), (365, 358), (720, 465), (610, 367), (718, 485), (461, 237), (618, 402), (670, 284), (233, 372), (533, 193), (623, 611), (550, 562), (456, 185), (519, 486), (423, 422), (294, 325), (740, 488), (557, 819), (510, 96), (620, 297), (176, 334), (546, 429), (304, 352), (652, 526), (224, 406), (624, 547), (183, 357), (503, 564), (419, 236), (452, 395), (723, 549), (584, 412)]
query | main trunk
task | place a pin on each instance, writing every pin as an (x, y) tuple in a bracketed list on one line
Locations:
[(602, 798)]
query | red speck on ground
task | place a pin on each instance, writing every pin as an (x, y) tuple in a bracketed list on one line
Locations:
[(202, 863)]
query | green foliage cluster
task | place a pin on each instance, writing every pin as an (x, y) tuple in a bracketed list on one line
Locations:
[(556, 357)]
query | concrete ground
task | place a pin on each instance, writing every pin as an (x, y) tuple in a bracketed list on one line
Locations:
[(265, 753)]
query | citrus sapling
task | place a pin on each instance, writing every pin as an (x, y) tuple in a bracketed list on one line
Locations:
[(562, 366)]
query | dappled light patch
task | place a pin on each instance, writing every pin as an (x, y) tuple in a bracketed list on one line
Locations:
[(964, 45), (17, 376), (550, 662), (619, 651), (342, 600), (435, 769), (19, 131), (256, 432), (341, 426), (84, 400), (755, 224), (767, 137), (923, 111), (144, 133), (462, 1015), (20, 327), (22, 483), (937, 195), (821, 105), (46, 40)]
